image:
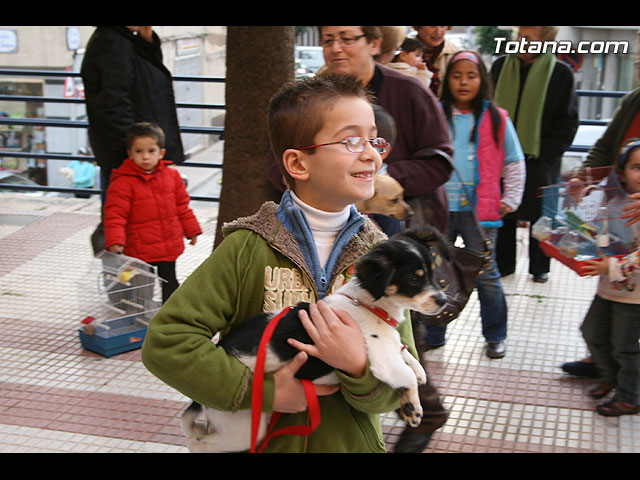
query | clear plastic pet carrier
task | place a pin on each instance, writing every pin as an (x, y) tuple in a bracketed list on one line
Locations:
[(120, 300), (581, 217)]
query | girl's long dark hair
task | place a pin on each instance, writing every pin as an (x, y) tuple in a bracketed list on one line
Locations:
[(485, 93)]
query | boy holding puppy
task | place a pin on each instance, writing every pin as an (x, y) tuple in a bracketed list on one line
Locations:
[(323, 133)]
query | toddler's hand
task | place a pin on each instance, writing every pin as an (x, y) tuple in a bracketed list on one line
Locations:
[(117, 248), (193, 240), (632, 212), (597, 267)]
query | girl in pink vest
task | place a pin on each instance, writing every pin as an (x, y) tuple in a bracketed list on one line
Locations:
[(490, 163)]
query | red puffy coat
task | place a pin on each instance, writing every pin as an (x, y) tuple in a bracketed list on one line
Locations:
[(148, 213)]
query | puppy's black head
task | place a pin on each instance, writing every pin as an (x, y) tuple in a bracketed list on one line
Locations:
[(403, 266)]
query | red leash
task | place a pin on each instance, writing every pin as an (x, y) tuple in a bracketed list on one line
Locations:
[(256, 396)]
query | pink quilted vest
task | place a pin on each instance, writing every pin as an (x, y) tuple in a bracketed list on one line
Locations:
[(490, 163)]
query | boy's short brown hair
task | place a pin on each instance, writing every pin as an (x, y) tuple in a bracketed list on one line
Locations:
[(145, 129), (298, 111)]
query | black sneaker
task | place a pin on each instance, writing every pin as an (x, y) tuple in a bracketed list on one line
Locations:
[(496, 349), (580, 369)]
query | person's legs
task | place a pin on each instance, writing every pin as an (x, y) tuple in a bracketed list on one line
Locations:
[(105, 177), (493, 305), (625, 333), (506, 247), (434, 415), (167, 271), (596, 331), (539, 263)]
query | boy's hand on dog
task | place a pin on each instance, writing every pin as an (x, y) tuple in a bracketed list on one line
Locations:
[(337, 339), (289, 392)]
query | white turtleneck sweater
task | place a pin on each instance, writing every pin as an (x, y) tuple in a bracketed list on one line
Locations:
[(325, 226)]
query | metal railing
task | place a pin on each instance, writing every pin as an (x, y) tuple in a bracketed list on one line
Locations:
[(184, 129), (51, 122)]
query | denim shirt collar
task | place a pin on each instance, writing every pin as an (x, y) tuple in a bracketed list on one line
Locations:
[(294, 219)]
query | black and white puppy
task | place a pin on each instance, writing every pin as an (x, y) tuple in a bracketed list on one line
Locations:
[(394, 276)]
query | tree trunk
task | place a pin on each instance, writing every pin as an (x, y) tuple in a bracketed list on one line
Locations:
[(260, 60)]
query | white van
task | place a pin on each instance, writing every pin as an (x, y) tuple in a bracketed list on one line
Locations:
[(310, 57)]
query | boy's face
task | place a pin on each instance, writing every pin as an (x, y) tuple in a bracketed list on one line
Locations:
[(145, 153), (332, 177), (630, 177)]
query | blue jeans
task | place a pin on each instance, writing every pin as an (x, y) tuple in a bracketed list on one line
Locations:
[(493, 306), (611, 331)]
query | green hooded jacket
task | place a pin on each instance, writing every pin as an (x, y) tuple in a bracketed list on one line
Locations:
[(259, 267)]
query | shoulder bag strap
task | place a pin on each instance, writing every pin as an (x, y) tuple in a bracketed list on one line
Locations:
[(432, 152)]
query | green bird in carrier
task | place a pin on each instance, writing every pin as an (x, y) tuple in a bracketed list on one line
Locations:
[(582, 220)]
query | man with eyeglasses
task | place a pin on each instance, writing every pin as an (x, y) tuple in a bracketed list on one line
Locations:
[(421, 125)]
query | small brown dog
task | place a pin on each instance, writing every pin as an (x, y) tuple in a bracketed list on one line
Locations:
[(388, 199)]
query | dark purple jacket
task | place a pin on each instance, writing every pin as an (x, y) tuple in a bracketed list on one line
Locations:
[(420, 124)]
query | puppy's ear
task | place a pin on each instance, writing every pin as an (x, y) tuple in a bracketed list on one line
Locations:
[(433, 239), (375, 270)]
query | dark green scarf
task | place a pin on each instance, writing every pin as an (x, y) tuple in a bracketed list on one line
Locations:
[(531, 104)]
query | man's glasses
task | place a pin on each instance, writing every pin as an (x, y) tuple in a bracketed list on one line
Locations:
[(344, 41), (356, 144)]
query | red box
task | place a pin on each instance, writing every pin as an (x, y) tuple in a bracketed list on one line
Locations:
[(550, 250)]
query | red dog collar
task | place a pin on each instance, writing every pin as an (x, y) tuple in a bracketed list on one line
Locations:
[(375, 310)]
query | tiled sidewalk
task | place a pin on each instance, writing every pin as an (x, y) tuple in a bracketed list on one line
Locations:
[(57, 397)]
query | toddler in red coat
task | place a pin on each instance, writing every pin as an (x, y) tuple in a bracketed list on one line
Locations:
[(146, 212)]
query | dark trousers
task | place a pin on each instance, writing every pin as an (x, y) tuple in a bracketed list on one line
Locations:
[(506, 249), (434, 414), (167, 271), (611, 331)]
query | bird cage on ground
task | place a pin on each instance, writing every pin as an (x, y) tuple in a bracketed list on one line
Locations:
[(582, 216), (119, 300)]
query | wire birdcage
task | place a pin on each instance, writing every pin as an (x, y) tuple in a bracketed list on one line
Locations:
[(119, 301), (582, 218)]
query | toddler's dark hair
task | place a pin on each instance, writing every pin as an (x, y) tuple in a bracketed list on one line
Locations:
[(145, 129), (385, 123)]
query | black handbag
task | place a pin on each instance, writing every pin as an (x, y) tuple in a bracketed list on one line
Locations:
[(456, 275), (97, 239)]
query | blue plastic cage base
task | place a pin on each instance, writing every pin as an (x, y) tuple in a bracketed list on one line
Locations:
[(124, 334)]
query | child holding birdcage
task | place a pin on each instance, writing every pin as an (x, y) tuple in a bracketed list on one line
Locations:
[(611, 327), (146, 213)]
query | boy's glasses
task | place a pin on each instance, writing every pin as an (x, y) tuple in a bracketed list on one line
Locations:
[(356, 144), (344, 41)]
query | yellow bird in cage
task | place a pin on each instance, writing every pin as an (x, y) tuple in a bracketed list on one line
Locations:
[(126, 275)]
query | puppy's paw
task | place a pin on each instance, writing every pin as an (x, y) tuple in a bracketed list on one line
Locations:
[(410, 411), (411, 414)]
